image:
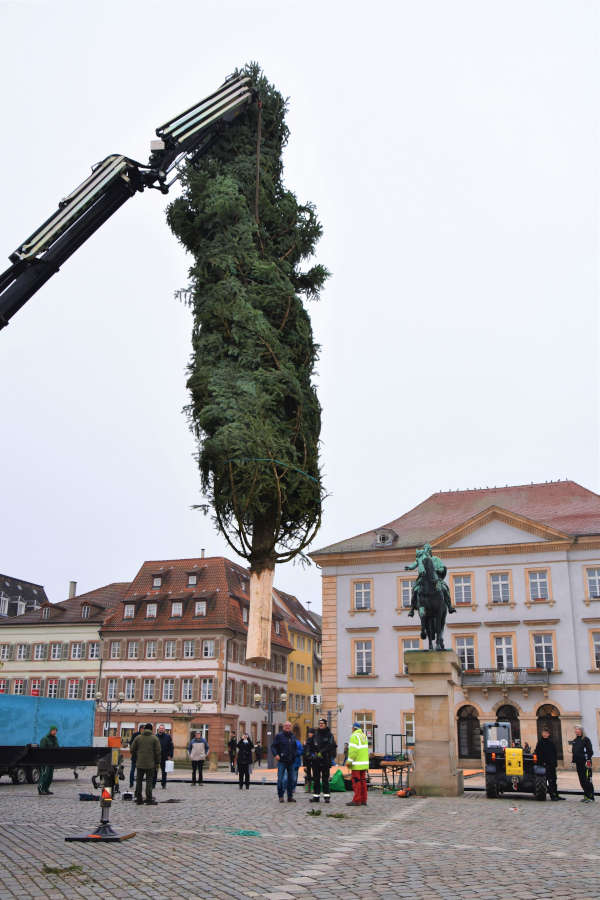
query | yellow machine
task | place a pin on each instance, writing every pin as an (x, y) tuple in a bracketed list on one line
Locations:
[(514, 760)]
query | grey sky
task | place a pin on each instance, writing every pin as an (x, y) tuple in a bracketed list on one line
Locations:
[(452, 152)]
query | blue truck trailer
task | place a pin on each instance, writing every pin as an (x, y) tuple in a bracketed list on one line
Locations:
[(25, 720)]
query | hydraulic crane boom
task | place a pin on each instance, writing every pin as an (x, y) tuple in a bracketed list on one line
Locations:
[(112, 182)]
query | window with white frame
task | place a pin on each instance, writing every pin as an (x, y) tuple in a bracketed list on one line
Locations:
[(543, 648), (18, 686), (365, 719), (308, 677), (168, 689), (21, 607), (187, 687), (176, 609), (52, 688), (21, 651), (362, 594), (129, 611), (73, 689), (130, 689), (148, 689), (132, 649), (245, 615), (277, 626), (192, 579), (208, 649), (115, 649), (85, 611), (229, 690), (188, 649), (3, 685), (200, 608), (170, 648), (46, 612), (463, 592), (4, 648), (207, 689), (406, 586), (593, 583), (111, 689), (39, 651), (363, 657), (90, 688), (291, 669), (55, 651), (300, 705), (150, 649), (76, 650), (596, 648), (3, 605), (409, 728), (503, 647), (500, 584), (35, 686), (156, 581), (94, 650), (151, 610), (538, 585), (465, 650), (409, 644)]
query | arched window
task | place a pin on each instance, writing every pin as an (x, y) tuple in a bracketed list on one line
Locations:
[(508, 713), (549, 716), (469, 740)]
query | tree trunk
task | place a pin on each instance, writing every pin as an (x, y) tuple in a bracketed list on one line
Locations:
[(258, 648)]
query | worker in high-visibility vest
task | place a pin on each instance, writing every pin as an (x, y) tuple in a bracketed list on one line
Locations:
[(358, 763)]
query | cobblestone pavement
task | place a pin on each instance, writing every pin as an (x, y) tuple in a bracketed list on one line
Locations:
[(420, 848)]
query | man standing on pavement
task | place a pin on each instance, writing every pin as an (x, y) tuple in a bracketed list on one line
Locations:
[(547, 756), (322, 749), (166, 752), (146, 747), (582, 757), (285, 750), (358, 763), (132, 769), (198, 752), (47, 772)]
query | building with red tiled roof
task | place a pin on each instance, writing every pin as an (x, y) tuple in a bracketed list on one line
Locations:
[(175, 648), (524, 573), (304, 662)]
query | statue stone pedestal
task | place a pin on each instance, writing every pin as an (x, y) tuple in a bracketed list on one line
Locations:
[(435, 675)]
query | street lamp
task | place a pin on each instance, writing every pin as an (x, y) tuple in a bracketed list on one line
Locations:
[(269, 707), (109, 704)]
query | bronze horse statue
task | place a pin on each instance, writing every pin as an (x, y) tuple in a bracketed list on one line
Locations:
[(432, 606)]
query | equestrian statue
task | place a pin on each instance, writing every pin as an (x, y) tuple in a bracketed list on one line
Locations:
[(430, 596)]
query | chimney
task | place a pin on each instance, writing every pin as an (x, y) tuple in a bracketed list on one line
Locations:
[(202, 553), (72, 589)]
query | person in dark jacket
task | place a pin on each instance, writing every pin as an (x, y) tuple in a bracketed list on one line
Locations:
[(258, 753), (47, 772), (307, 759), (166, 752), (285, 750), (322, 749), (547, 756), (582, 757), (146, 747), (232, 746), (132, 769), (244, 760)]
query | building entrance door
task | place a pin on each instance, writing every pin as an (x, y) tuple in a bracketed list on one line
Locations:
[(508, 713), (549, 716)]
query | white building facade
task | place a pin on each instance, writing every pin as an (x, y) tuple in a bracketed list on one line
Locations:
[(524, 573)]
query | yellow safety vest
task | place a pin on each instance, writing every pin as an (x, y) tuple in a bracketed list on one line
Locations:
[(358, 750)]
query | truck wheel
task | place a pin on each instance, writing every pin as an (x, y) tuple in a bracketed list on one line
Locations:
[(491, 789), (33, 775), (19, 775), (540, 789)]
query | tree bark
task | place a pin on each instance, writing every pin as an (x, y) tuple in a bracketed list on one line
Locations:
[(258, 648)]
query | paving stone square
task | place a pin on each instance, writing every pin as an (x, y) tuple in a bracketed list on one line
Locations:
[(469, 847)]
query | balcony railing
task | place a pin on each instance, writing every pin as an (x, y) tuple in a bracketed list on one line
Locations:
[(504, 677)]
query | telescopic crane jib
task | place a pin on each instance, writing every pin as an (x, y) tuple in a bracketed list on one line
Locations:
[(112, 182)]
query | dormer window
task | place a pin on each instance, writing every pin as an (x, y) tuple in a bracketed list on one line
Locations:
[(245, 617), (20, 607), (277, 628), (129, 611), (45, 612), (384, 537), (200, 609), (192, 579), (151, 610), (156, 581), (176, 609), (85, 612)]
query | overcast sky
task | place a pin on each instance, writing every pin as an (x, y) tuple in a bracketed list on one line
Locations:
[(452, 152)]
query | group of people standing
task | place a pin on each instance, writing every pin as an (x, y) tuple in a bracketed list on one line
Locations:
[(149, 752)]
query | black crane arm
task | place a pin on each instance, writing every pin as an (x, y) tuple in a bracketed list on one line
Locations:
[(112, 182)]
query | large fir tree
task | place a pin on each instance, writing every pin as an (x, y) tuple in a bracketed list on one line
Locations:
[(253, 409)]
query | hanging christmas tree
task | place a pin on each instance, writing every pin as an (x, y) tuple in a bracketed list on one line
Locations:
[(253, 407)]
